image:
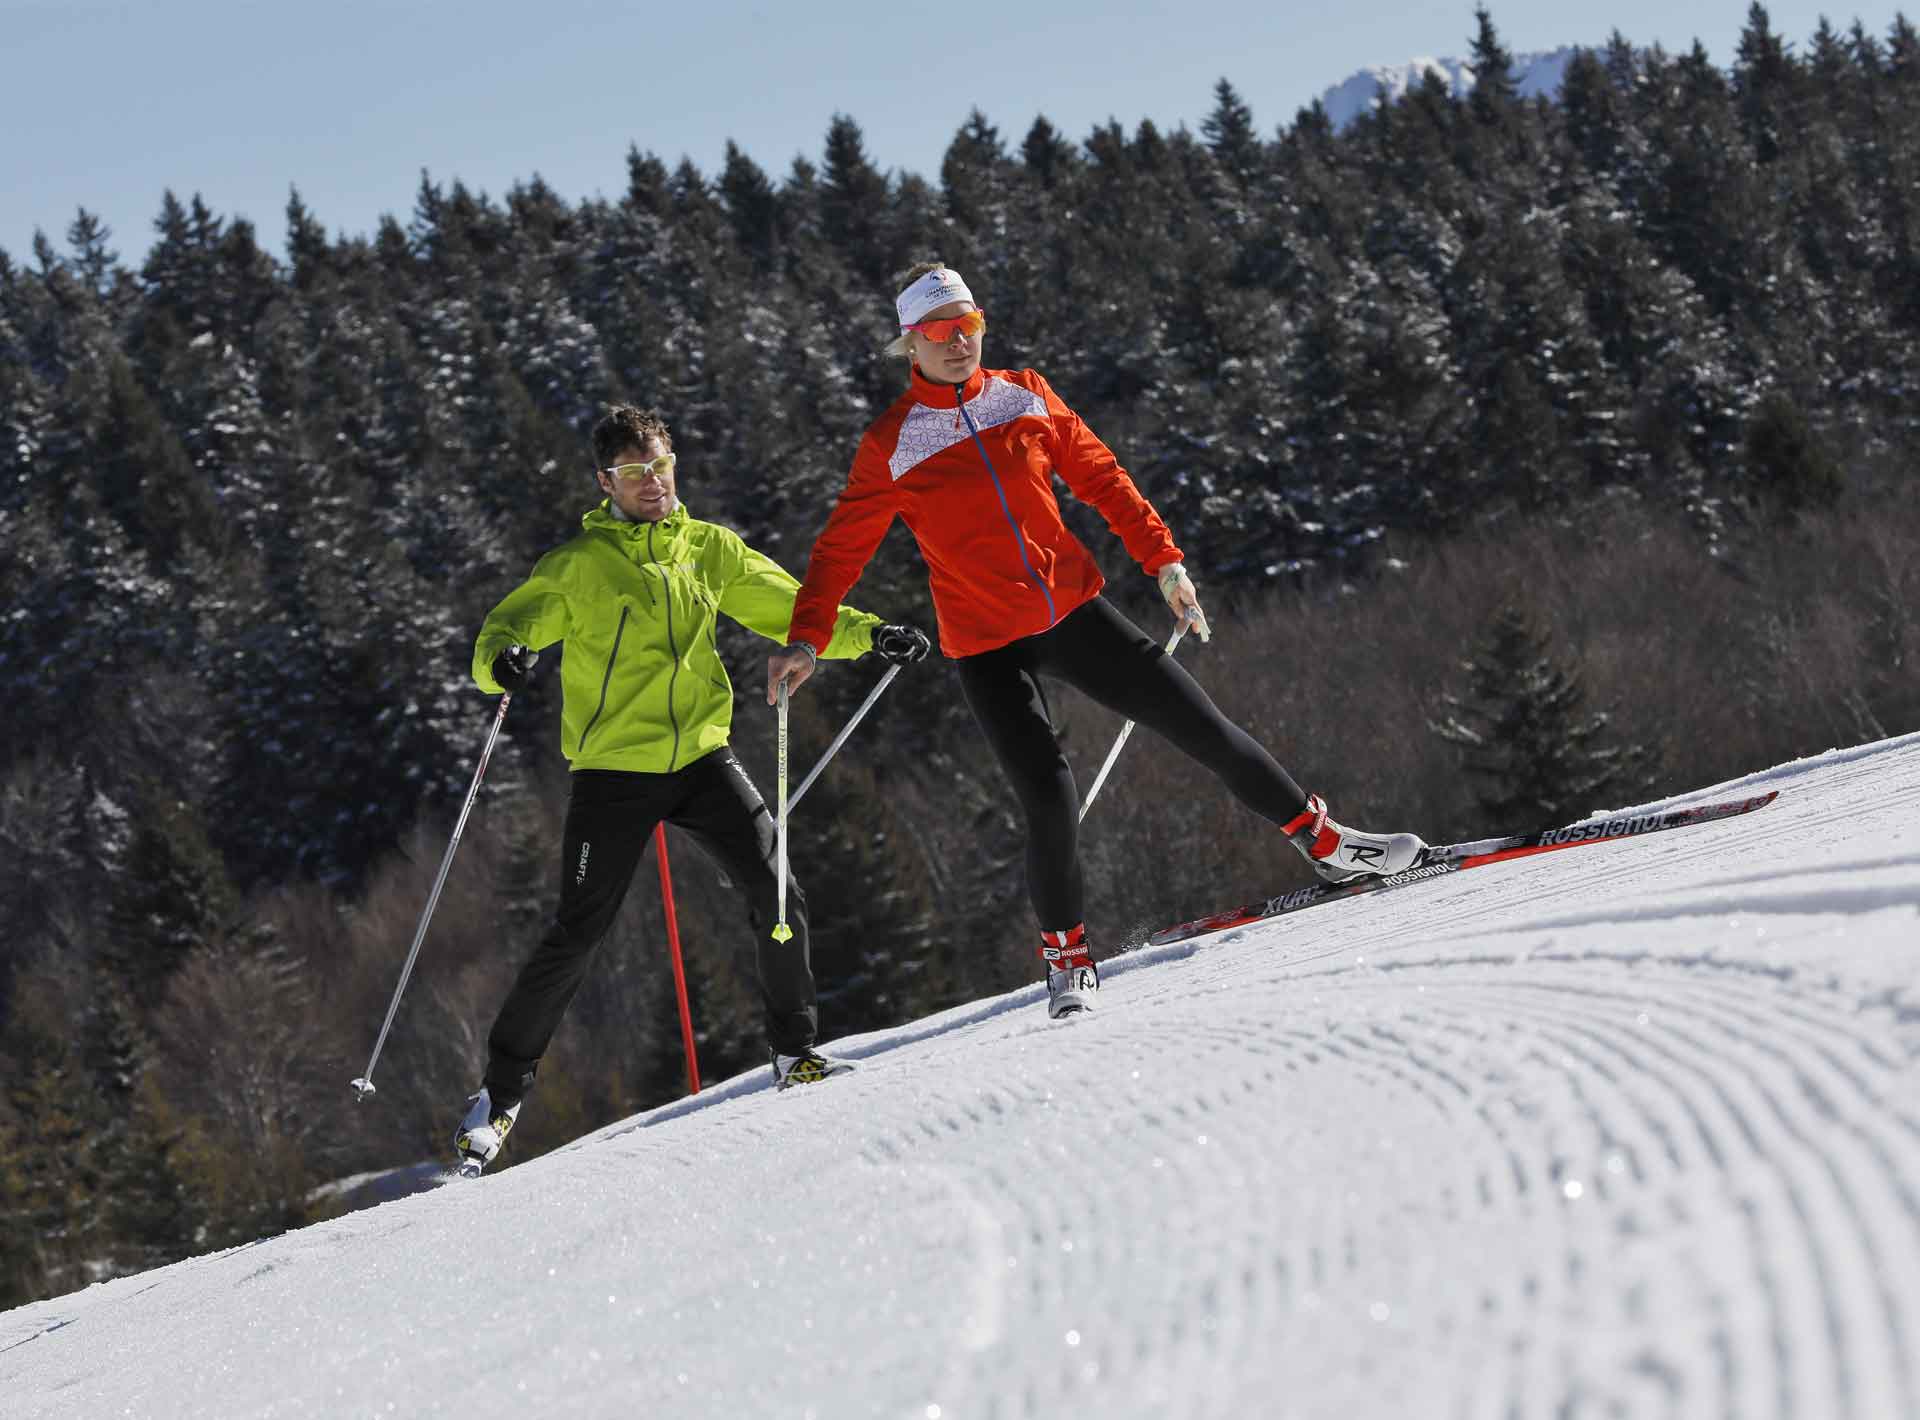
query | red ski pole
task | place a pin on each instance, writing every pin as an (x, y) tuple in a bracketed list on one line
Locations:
[(673, 950)]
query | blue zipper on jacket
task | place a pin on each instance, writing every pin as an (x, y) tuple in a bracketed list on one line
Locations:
[(1019, 545)]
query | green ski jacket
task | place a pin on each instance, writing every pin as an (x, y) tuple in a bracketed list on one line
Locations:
[(642, 685)]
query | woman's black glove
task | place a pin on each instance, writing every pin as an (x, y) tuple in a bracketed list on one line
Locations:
[(900, 644), (513, 666)]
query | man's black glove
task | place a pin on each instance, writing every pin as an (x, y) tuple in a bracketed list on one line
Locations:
[(512, 667), (900, 644)]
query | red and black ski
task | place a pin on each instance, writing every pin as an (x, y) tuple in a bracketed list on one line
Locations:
[(1441, 860)]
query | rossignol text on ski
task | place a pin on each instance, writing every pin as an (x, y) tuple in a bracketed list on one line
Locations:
[(1441, 860)]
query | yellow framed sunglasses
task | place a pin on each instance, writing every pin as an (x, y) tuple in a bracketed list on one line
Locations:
[(628, 472)]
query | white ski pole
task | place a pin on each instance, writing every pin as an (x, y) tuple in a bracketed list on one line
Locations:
[(364, 1085), (841, 738), (1127, 729), (781, 931)]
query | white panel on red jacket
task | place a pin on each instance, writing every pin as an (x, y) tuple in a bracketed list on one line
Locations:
[(927, 431)]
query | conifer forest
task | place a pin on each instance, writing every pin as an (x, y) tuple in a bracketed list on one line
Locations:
[(1531, 457)]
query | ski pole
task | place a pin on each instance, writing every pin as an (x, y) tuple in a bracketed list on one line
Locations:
[(1127, 729), (781, 931), (673, 951), (364, 1085), (841, 738)]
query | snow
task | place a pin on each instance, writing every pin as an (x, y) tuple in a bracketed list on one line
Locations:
[(1534, 76), (1632, 1130)]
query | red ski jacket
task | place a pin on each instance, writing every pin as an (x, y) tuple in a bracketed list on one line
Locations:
[(973, 481)]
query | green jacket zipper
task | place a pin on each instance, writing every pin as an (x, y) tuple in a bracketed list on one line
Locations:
[(612, 656), (673, 678)]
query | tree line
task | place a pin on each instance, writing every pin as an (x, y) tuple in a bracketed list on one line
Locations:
[(1532, 457)]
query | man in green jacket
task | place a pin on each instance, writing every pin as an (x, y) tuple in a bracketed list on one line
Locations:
[(645, 716)]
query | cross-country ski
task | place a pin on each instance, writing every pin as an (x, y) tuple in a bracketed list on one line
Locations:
[(1443, 860)]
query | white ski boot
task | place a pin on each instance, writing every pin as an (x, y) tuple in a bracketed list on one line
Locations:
[(1070, 992), (1340, 854), (1072, 979), (809, 1067), (482, 1132)]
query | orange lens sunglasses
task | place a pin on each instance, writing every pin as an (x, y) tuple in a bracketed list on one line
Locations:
[(941, 331)]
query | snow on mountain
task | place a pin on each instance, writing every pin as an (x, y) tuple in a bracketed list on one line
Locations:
[(1630, 1130), (1535, 74)]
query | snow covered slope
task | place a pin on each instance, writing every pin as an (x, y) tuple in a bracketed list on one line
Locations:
[(1533, 75), (1628, 1131)]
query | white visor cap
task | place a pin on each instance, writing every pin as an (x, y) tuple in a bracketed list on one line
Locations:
[(929, 293)]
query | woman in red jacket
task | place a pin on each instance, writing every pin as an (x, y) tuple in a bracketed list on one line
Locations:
[(966, 458)]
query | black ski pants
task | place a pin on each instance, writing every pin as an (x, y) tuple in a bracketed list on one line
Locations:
[(610, 816), (1110, 660)]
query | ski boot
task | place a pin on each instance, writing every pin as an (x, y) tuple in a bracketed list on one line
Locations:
[(1072, 979), (809, 1067), (482, 1132), (1339, 854)]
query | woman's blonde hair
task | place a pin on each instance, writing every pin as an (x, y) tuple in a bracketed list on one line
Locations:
[(901, 344)]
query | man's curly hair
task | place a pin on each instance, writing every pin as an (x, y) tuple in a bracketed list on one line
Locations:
[(625, 426)]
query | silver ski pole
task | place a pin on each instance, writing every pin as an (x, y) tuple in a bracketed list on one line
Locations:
[(781, 931), (841, 738), (1126, 729), (364, 1085)]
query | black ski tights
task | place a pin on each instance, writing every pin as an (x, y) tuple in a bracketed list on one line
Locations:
[(611, 815), (1100, 653)]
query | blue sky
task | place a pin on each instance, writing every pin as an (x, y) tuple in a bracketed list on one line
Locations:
[(108, 103)]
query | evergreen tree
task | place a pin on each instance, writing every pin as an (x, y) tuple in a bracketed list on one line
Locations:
[(307, 250), (1707, 177), (60, 1122), (154, 1216), (1895, 158), (1495, 92), (393, 252), (972, 177), (1526, 735), (146, 481), (22, 1278), (980, 216), (1790, 466), (204, 277), (28, 422), (93, 260), (59, 1208), (1764, 80), (646, 183), (801, 224), (853, 197), (1048, 156), (1230, 134), (752, 207), (1597, 116), (170, 897)]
